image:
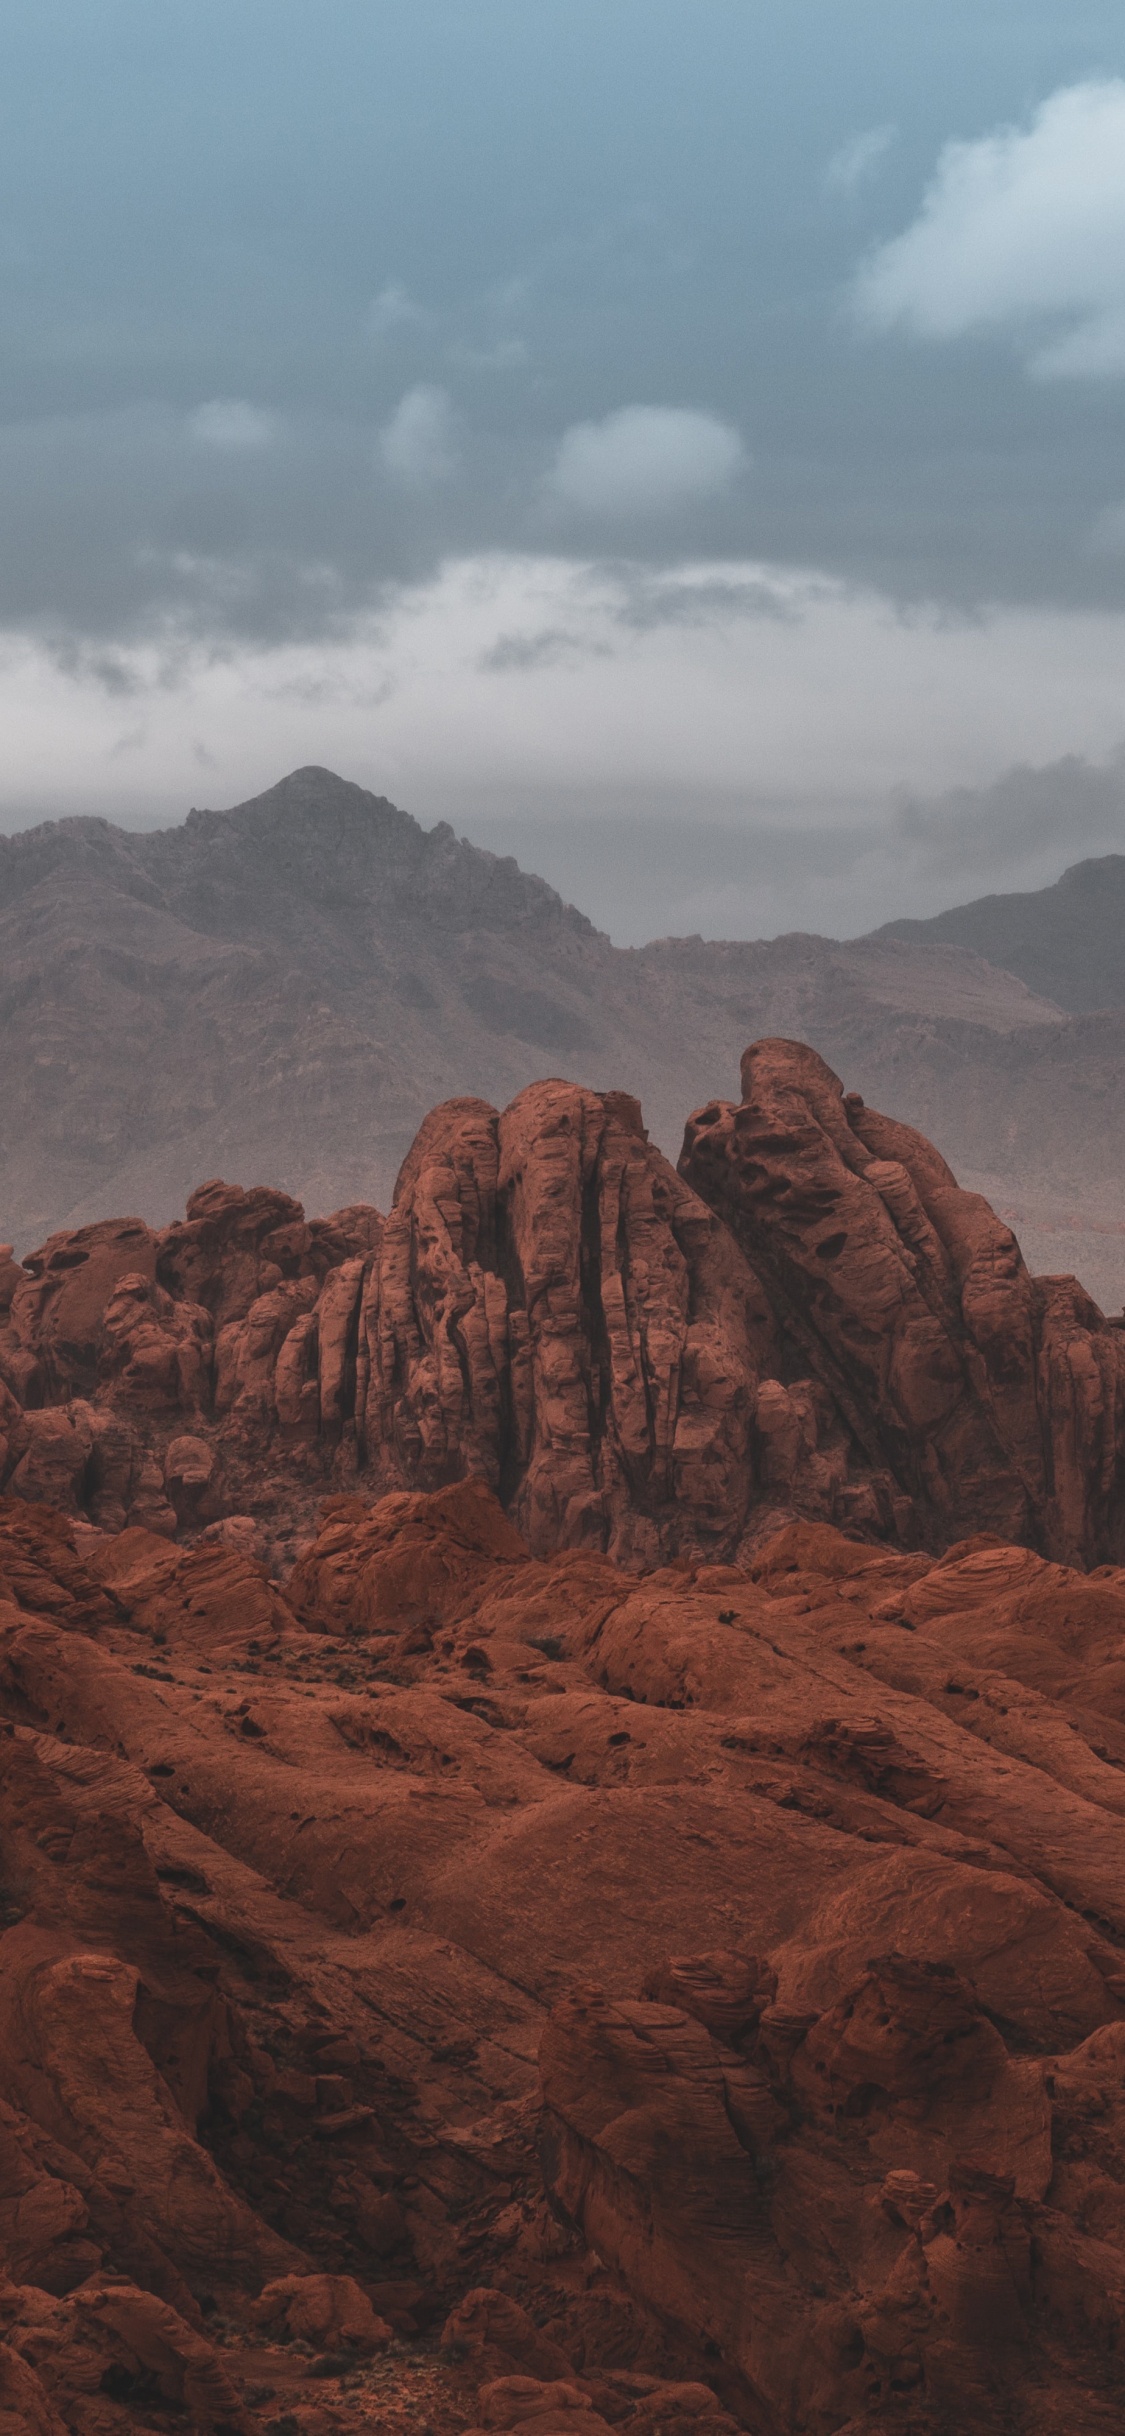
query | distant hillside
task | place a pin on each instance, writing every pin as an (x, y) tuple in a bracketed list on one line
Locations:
[(278, 993), (1067, 942)]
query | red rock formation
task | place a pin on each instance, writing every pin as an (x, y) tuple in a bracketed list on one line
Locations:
[(982, 1397), (144, 1377), (548, 1309), (702, 1996), (553, 1311), (810, 1319)]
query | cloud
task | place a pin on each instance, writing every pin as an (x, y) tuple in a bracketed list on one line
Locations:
[(504, 355), (418, 446), (667, 861), (1021, 229), (552, 647), (394, 309), (1094, 351), (645, 461), (518, 680), (858, 159), (231, 423)]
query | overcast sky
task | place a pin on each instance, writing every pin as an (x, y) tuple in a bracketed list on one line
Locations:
[(681, 439)]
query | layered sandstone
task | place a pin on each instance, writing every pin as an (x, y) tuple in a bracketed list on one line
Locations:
[(695, 1999)]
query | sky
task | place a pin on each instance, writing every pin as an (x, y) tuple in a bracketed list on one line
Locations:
[(679, 441)]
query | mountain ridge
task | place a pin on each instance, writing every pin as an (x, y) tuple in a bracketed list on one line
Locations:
[(280, 991), (1066, 940)]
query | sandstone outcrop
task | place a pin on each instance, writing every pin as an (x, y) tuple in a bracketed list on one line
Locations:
[(810, 1318), (144, 1375), (555, 1312), (697, 1998), (988, 1399)]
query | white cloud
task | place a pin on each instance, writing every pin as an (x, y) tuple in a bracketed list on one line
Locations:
[(231, 423), (645, 461), (858, 159), (394, 309), (1024, 228), (418, 445)]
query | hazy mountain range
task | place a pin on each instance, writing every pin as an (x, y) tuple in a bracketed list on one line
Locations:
[(278, 994)]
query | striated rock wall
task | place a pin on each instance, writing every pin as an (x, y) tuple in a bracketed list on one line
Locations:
[(554, 1311), (809, 1318)]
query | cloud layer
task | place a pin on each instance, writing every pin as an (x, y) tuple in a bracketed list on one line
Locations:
[(769, 742), (1023, 229)]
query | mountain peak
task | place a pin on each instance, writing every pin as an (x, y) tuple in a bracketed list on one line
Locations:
[(1092, 875), (310, 793)]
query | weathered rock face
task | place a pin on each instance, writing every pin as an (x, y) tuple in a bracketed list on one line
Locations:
[(548, 1308), (553, 1311), (144, 1375), (809, 1319), (684, 1992), (983, 1398)]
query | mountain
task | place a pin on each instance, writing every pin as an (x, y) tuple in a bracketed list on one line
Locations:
[(610, 1923), (278, 993), (1067, 942)]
